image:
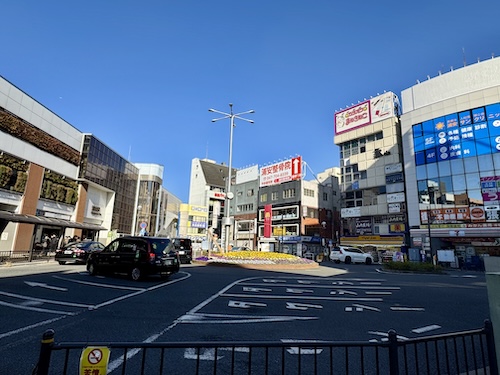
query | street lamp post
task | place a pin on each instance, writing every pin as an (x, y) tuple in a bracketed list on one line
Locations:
[(229, 194)]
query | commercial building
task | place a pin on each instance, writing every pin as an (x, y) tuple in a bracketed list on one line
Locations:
[(451, 141), (372, 188)]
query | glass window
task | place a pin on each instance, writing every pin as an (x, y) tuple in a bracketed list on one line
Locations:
[(470, 165), (457, 166), (421, 172), (486, 163), (432, 170), (446, 190), (472, 181), (274, 196), (444, 168), (263, 197), (475, 197), (459, 186), (496, 161)]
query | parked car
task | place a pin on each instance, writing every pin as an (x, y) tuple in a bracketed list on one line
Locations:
[(183, 247), (347, 254), (77, 252), (136, 256)]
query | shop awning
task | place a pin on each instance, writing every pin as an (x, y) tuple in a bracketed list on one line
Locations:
[(44, 220)]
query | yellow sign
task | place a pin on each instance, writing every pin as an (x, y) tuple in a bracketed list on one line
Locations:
[(94, 360)]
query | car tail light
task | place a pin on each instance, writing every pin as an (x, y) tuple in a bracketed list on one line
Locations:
[(79, 251)]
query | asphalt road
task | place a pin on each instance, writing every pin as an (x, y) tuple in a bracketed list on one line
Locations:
[(333, 302)]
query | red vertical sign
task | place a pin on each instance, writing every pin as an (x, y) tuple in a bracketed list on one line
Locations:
[(268, 214)]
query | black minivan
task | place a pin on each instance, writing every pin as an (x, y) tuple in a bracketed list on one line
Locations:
[(184, 248), (135, 256)]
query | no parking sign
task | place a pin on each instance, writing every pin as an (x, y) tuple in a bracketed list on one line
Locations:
[(94, 360)]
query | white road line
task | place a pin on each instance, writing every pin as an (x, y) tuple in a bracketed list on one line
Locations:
[(298, 291), (378, 293), (37, 309), (245, 305), (426, 329), (400, 308), (386, 335), (342, 292), (238, 319), (46, 286), (358, 299), (301, 306), (364, 307), (52, 302), (98, 284), (36, 325), (249, 289)]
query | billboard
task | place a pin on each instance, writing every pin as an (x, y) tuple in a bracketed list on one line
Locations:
[(365, 113), (247, 174), (284, 171)]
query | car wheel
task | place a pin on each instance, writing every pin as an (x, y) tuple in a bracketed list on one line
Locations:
[(368, 261), (136, 273), (347, 260), (92, 269), (62, 262)]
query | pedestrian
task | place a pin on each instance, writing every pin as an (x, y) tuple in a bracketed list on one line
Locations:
[(53, 243)]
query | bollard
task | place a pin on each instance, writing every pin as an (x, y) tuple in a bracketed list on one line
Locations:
[(393, 353), (42, 367)]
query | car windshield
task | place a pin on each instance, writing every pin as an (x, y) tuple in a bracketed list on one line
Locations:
[(159, 245)]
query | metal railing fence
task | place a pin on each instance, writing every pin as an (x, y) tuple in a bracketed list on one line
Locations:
[(466, 352)]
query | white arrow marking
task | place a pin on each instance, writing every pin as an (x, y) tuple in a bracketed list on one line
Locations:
[(245, 305), (301, 306), (342, 292), (298, 291), (248, 289), (42, 285), (297, 350), (366, 307), (426, 329), (342, 283), (207, 355)]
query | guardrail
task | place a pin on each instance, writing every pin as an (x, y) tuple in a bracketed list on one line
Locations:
[(467, 352)]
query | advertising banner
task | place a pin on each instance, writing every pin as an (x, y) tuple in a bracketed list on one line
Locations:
[(365, 113), (284, 171), (267, 220)]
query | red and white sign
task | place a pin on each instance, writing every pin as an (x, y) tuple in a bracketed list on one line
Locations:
[(365, 113), (287, 170)]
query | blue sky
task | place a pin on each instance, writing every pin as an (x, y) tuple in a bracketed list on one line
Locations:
[(141, 75)]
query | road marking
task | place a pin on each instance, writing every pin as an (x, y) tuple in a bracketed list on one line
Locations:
[(301, 306), (273, 281), (426, 329), (207, 355), (370, 283), (36, 325), (364, 307), (378, 293), (43, 285), (37, 309), (245, 305), (308, 282), (342, 292), (342, 283), (307, 351), (298, 291), (355, 299), (53, 302), (98, 284), (249, 289), (400, 308), (386, 335), (198, 318)]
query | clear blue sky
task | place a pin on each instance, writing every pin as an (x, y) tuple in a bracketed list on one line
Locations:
[(141, 75)]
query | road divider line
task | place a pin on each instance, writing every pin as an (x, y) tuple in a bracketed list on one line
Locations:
[(53, 302), (37, 309), (31, 326), (98, 284)]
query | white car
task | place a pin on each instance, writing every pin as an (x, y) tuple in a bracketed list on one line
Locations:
[(347, 254)]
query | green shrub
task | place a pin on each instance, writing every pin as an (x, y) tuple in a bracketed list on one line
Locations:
[(413, 267)]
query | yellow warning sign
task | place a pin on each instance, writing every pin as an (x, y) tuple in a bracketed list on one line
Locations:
[(94, 360)]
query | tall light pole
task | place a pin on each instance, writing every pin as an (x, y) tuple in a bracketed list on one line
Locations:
[(229, 195)]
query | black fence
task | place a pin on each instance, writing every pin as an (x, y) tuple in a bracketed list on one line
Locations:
[(467, 352), (24, 256)]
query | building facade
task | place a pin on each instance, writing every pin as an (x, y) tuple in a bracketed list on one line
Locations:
[(372, 175), (451, 138)]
